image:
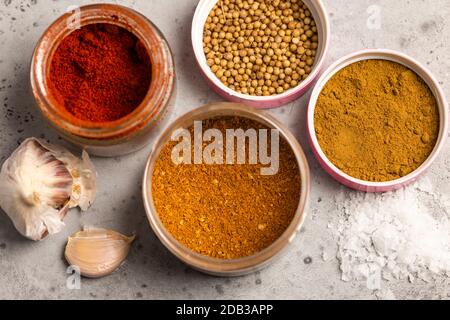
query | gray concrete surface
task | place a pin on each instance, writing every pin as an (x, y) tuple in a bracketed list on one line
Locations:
[(38, 270)]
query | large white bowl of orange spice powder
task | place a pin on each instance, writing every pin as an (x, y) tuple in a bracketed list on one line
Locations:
[(376, 120), (226, 218)]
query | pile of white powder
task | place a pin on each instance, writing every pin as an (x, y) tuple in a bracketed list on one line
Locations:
[(394, 235)]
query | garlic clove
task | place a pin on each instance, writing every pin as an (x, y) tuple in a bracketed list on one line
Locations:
[(83, 174), (37, 187), (97, 252), (88, 180), (34, 187), (44, 178)]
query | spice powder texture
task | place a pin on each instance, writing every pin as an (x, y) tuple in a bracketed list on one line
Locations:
[(226, 211), (376, 120), (100, 72)]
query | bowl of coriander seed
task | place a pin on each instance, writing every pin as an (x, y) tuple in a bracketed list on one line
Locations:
[(263, 53)]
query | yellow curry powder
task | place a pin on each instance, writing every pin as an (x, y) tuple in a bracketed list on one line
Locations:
[(376, 120), (226, 210)]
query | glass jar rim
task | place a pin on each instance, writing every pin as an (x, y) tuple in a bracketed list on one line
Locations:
[(131, 20)]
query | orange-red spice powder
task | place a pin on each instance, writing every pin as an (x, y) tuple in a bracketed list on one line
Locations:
[(100, 73)]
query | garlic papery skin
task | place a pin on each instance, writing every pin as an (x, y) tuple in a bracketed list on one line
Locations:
[(38, 186), (83, 173), (97, 252)]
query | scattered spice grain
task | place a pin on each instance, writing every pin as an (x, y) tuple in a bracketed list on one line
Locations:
[(376, 120), (226, 211)]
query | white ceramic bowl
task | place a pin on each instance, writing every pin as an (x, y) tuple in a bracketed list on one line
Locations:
[(412, 64), (323, 27)]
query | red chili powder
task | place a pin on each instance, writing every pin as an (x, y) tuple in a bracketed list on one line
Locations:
[(100, 72)]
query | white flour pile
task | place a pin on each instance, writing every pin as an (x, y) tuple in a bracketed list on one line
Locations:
[(394, 236)]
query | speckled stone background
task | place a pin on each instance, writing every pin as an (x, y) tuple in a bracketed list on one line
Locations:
[(38, 270)]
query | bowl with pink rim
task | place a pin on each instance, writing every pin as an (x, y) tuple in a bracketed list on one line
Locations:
[(420, 70), (323, 27)]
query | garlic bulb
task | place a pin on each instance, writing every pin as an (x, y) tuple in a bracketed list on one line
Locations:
[(97, 252), (39, 182)]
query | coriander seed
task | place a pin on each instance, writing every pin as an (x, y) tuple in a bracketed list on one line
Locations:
[(260, 47)]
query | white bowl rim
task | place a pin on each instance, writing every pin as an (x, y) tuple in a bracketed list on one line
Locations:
[(383, 54), (201, 60)]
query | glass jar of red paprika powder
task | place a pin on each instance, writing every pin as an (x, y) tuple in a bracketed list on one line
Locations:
[(130, 132)]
